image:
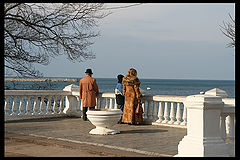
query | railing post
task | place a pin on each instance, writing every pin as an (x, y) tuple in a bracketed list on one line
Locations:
[(21, 106), (49, 105), (28, 109), (115, 103), (106, 103), (178, 114), (203, 137), (42, 105), (35, 107), (71, 102), (231, 136), (184, 117), (160, 113), (6, 108), (61, 105), (223, 125), (172, 114), (149, 110), (55, 108), (166, 116), (154, 111), (14, 106), (111, 103)]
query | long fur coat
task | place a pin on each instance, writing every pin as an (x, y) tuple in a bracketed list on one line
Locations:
[(132, 94)]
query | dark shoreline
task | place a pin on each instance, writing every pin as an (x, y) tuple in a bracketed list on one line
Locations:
[(42, 79)]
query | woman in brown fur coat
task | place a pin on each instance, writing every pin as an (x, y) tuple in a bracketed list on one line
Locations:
[(132, 94)]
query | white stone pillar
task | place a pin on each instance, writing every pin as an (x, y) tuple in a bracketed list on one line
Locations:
[(203, 137), (71, 102)]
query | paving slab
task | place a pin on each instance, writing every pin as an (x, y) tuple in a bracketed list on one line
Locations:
[(142, 140)]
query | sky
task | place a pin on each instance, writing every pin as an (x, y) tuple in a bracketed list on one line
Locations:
[(159, 40)]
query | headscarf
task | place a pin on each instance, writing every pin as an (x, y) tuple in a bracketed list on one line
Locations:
[(131, 78)]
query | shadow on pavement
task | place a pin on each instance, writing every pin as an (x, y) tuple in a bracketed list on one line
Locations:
[(143, 131)]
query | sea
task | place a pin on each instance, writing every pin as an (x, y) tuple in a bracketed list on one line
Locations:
[(175, 87)]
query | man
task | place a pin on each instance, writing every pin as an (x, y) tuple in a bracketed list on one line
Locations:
[(88, 89)]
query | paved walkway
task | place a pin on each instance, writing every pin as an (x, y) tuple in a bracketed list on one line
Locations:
[(69, 137)]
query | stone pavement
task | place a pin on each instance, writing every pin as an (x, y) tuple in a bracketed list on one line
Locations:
[(69, 137)]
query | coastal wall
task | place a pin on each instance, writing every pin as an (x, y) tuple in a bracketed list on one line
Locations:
[(42, 79)]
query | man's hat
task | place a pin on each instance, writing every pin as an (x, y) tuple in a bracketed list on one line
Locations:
[(89, 71)]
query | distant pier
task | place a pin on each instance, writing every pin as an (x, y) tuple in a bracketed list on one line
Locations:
[(42, 79)]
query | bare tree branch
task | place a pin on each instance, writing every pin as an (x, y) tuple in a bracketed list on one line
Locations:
[(36, 32), (228, 29)]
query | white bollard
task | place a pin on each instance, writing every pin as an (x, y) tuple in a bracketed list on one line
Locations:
[(203, 137)]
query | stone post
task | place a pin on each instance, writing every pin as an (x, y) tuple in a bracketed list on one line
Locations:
[(203, 137), (72, 102)]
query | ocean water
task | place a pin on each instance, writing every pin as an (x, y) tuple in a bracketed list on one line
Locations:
[(177, 87)]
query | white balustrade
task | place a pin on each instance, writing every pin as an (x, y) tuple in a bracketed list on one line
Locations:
[(34, 102), (156, 108)]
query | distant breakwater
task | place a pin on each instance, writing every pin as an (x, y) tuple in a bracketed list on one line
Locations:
[(42, 79)]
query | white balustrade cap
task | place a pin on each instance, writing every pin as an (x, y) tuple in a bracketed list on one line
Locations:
[(217, 92), (71, 87)]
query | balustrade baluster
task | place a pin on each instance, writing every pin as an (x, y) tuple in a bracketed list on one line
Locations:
[(160, 113), (166, 116), (7, 108), (172, 114), (144, 108), (21, 106), (42, 105), (101, 103), (35, 107), (231, 135), (115, 104), (178, 114), (106, 103), (154, 110), (14, 106), (223, 126), (96, 103), (55, 108), (232, 127), (149, 110), (184, 123), (28, 106), (111, 103), (78, 104), (81, 104), (61, 104), (49, 105)]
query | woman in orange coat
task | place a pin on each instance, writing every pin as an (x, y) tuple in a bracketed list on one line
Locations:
[(132, 94)]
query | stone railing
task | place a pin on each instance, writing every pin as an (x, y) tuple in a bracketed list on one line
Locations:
[(28, 104), (158, 110), (208, 117)]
